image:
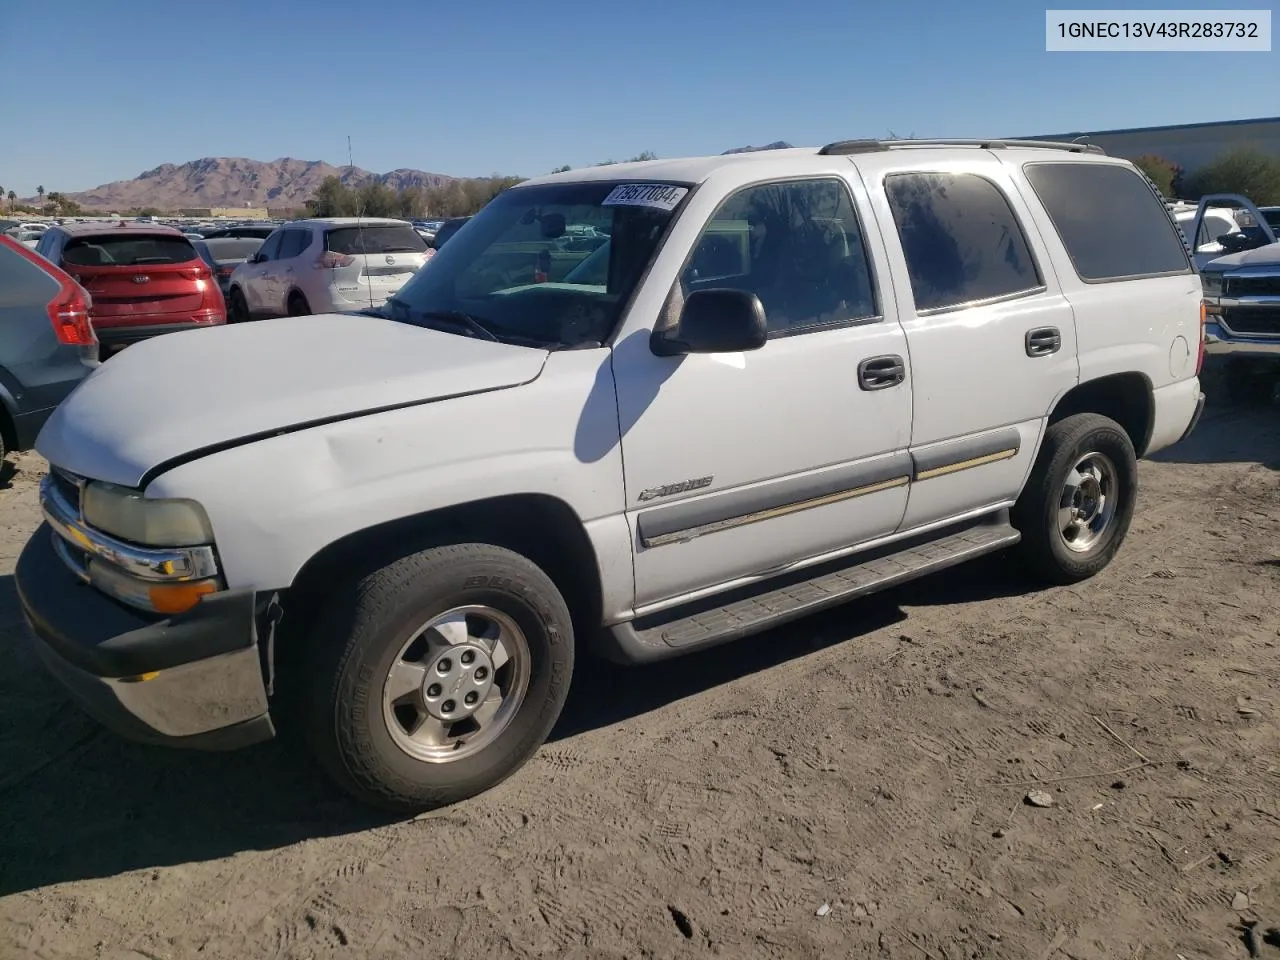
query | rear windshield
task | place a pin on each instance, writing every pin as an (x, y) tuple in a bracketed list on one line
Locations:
[(374, 239), (127, 250), (233, 248)]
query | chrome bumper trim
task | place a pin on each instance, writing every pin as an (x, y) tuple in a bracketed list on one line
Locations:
[(164, 564)]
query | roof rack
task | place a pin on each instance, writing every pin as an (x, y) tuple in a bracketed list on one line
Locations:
[(846, 147)]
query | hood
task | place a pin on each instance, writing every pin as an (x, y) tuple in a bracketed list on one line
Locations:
[(183, 392), (1260, 257)]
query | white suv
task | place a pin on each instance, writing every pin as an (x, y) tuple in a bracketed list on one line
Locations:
[(329, 265), (796, 377)]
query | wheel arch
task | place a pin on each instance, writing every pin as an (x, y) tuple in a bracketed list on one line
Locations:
[(1127, 398), (540, 527)]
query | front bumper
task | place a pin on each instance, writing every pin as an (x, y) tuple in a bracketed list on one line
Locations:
[(194, 680), (1220, 342)]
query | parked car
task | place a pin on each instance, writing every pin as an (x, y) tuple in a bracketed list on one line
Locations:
[(897, 357), (326, 265), (145, 279), (447, 230), (47, 345), (259, 231), (224, 254)]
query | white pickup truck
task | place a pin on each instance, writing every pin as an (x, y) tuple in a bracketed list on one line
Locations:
[(796, 377)]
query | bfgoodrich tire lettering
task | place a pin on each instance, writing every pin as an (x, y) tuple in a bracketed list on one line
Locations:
[(363, 634), (1078, 502)]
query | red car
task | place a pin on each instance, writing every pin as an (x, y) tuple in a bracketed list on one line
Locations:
[(144, 279)]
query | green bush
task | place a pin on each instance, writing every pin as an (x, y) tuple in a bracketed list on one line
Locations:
[(1247, 171), (1161, 171)]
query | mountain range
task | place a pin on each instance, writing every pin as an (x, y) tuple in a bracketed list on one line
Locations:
[(241, 182)]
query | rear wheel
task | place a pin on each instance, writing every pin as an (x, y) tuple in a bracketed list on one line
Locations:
[(438, 676), (237, 309), (1076, 508), (297, 305)]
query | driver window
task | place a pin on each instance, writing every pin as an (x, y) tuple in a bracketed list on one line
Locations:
[(797, 245)]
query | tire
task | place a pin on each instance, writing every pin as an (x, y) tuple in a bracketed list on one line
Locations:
[(367, 629), (1054, 549), (237, 309), (297, 305), (1248, 382)]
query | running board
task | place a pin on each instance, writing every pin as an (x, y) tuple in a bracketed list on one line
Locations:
[(774, 602)]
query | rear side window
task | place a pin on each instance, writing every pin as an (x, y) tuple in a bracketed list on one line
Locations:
[(961, 239), (374, 239), (127, 250), (1110, 220)]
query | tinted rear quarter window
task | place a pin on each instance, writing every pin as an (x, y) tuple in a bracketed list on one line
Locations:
[(1110, 220), (374, 239), (961, 239), (127, 250)]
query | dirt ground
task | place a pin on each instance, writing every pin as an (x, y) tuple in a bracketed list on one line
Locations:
[(851, 786)]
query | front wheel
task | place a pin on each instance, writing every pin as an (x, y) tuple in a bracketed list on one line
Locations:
[(1249, 382), (1078, 502), (438, 676)]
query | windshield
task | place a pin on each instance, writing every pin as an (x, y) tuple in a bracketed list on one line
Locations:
[(511, 273)]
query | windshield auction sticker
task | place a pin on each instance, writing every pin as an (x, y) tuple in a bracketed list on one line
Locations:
[(659, 196)]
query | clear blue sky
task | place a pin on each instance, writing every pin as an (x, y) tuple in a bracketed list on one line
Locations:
[(107, 90)]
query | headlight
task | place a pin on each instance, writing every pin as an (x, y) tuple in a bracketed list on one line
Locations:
[(127, 514), (1211, 283)]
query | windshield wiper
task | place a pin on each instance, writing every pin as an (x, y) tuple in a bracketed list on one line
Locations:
[(460, 317)]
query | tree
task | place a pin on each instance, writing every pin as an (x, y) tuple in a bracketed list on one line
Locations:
[(1161, 172), (1246, 170), (13, 197), (373, 198), (40, 190)]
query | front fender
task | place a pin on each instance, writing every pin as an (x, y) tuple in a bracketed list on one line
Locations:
[(275, 503)]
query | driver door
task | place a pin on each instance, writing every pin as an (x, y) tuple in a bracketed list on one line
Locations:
[(738, 465)]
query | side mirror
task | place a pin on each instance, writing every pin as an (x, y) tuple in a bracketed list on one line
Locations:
[(715, 321), (1241, 241), (254, 258), (552, 226)]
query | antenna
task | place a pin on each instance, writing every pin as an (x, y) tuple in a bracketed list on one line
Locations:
[(368, 280)]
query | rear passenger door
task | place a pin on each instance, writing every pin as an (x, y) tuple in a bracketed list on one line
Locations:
[(991, 338)]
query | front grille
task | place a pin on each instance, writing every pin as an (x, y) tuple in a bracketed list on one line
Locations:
[(68, 485), (1251, 286), (1250, 320)]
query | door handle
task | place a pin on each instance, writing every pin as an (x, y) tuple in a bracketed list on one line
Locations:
[(877, 373), (1043, 341)]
